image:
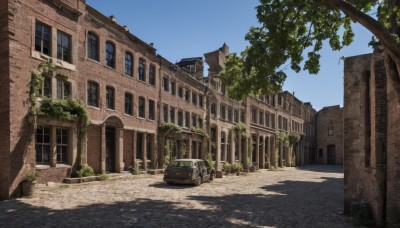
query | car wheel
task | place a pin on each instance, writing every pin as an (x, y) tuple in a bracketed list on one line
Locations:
[(198, 181)]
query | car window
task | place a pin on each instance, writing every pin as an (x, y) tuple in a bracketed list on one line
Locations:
[(181, 164)]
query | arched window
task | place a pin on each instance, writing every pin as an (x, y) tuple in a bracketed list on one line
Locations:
[(93, 46), (128, 64), (142, 70), (142, 107), (110, 54)]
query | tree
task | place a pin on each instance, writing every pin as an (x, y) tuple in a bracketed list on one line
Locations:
[(290, 28)]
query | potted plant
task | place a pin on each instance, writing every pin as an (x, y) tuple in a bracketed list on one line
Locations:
[(28, 183)]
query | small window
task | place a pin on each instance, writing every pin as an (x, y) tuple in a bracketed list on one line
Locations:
[(93, 46), (142, 108), (43, 144), (261, 118), (142, 70), (152, 75), (128, 64), (42, 38), (151, 110), (194, 120), (63, 89), (110, 98), (63, 46), (200, 122), (254, 115), (229, 114), (200, 101), (242, 117), (172, 115), (180, 91), (194, 98), (93, 94), (267, 119), (222, 110), (180, 118), (235, 116), (331, 131), (62, 145), (187, 119), (128, 104), (166, 84), (187, 94), (213, 109), (46, 87), (110, 55), (173, 92), (165, 113)]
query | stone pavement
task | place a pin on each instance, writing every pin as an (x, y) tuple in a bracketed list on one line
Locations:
[(307, 196)]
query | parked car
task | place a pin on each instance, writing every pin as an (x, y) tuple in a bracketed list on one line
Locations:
[(189, 171)]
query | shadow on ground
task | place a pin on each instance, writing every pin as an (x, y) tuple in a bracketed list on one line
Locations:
[(286, 204), (322, 168)]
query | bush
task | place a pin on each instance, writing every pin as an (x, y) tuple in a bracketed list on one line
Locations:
[(236, 167), (104, 177), (135, 170), (227, 167), (84, 171)]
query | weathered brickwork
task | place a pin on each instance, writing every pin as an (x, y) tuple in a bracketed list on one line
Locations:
[(129, 90), (330, 135), (371, 120)]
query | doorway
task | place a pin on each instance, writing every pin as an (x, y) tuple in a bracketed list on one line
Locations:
[(110, 149), (331, 154)]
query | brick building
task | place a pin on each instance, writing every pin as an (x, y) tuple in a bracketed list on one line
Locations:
[(129, 90), (371, 124), (330, 135)]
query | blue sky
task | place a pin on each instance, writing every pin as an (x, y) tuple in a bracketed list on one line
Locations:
[(187, 28)]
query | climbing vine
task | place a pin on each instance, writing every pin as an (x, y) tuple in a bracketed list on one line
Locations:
[(199, 131)]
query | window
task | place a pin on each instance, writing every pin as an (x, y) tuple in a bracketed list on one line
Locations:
[(187, 119), (213, 109), (172, 115), (62, 145), (110, 98), (242, 117), (194, 120), (151, 110), (128, 64), (165, 113), (194, 98), (279, 122), (330, 131), (63, 89), (235, 116), (187, 94), (267, 119), (180, 91), (93, 47), (63, 46), (222, 110), (152, 75), (261, 118), (46, 87), (142, 108), (142, 70), (93, 94), (166, 84), (173, 88), (42, 38), (200, 124), (273, 120), (43, 144), (229, 114), (110, 55), (200, 101), (180, 118), (254, 115), (128, 104)]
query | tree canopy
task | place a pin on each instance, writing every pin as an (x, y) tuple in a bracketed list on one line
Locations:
[(292, 34)]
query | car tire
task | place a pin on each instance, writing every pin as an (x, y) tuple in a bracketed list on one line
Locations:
[(198, 181)]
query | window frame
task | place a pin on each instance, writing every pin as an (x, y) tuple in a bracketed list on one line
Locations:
[(128, 67), (63, 35), (152, 75), (141, 107), (94, 94), (92, 47), (110, 54), (142, 70), (43, 144), (110, 98), (42, 38), (63, 144), (129, 104), (152, 110), (65, 85)]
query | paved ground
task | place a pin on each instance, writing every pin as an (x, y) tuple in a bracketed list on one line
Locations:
[(309, 196)]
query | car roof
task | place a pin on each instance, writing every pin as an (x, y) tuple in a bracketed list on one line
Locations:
[(193, 160)]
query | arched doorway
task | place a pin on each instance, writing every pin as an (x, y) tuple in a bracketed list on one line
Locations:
[(113, 154)]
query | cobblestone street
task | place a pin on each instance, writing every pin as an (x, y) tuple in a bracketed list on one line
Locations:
[(308, 196)]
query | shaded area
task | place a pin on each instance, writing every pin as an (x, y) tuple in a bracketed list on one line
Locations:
[(322, 168), (286, 204)]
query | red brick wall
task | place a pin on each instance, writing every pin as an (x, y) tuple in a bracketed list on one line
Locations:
[(53, 174), (94, 148)]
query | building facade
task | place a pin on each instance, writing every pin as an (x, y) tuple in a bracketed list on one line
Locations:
[(129, 91), (371, 123)]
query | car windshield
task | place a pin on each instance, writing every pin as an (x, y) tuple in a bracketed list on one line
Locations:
[(181, 164)]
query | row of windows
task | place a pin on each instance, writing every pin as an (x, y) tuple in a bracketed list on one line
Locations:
[(43, 42), (296, 126), (266, 119), (184, 118), (93, 100), (93, 53), (63, 88), (227, 113), (282, 123), (184, 93)]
